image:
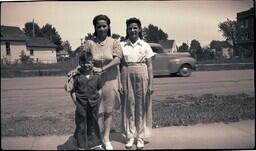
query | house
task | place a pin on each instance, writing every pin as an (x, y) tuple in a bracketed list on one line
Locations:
[(170, 45), (40, 49), (13, 42), (227, 52), (245, 39), (62, 55)]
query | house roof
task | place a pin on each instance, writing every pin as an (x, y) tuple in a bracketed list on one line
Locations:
[(225, 44), (40, 42), (167, 44), (11, 33), (62, 52), (244, 14)]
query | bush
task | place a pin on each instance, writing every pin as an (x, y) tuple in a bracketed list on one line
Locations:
[(37, 69)]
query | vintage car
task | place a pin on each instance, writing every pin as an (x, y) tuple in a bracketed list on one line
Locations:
[(166, 63)]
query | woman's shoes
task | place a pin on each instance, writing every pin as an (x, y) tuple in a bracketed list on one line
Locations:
[(140, 143), (98, 147), (129, 143), (108, 146)]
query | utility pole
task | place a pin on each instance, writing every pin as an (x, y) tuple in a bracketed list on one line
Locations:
[(81, 41), (33, 28)]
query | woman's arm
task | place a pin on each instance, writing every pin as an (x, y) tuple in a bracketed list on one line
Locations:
[(113, 63), (117, 54), (73, 96), (150, 73)]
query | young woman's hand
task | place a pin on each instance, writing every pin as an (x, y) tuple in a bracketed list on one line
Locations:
[(97, 70)]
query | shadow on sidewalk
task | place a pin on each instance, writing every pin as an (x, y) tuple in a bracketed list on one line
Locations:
[(70, 144), (118, 137)]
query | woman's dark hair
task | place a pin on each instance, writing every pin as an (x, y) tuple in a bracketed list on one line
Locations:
[(101, 17), (133, 20)]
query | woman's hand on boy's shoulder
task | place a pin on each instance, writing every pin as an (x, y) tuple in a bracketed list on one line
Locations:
[(74, 72), (98, 71)]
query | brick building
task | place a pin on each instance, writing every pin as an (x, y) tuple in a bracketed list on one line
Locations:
[(245, 39)]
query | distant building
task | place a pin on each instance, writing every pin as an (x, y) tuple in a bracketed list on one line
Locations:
[(227, 52), (62, 55), (245, 40), (170, 45), (14, 42), (41, 50)]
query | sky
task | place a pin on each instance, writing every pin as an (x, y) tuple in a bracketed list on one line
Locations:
[(182, 20)]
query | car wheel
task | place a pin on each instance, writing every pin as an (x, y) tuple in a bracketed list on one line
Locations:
[(185, 70)]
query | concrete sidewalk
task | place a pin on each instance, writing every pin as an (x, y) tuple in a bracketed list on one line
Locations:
[(237, 135)]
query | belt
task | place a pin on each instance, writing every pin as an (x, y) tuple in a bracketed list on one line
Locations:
[(135, 63)]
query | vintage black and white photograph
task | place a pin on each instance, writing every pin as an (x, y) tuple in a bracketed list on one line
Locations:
[(127, 75)]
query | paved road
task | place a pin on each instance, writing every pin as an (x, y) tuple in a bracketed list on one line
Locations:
[(217, 82), (35, 96)]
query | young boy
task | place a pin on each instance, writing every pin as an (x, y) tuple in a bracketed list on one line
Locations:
[(84, 87)]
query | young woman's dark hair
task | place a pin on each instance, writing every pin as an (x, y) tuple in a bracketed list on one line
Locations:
[(101, 17), (133, 20)]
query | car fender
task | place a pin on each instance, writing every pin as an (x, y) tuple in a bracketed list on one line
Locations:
[(175, 64)]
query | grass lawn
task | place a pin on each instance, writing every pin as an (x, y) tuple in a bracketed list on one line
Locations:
[(176, 111)]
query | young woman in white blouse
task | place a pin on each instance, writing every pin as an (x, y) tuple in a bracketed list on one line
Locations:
[(137, 79)]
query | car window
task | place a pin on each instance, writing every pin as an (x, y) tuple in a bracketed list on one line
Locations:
[(157, 49)]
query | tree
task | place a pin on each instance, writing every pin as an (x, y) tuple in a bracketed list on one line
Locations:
[(24, 58), (50, 32), (183, 48), (196, 49), (215, 44), (28, 29), (207, 53), (153, 34), (88, 36), (47, 31), (230, 31), (66, 47)]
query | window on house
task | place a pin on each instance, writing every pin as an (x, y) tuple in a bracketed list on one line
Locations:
[(246, 24), (241, 24), (242, 37), (31, 52), (246, 36), (8, 49)]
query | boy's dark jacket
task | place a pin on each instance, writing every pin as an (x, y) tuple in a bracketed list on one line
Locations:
[(87, 90)]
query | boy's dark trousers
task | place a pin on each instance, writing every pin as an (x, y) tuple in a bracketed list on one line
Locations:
[(87, 130)]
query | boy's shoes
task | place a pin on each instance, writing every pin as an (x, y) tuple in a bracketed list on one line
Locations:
[(129, 143), (99, 147), (108, 146), (140, 144)]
